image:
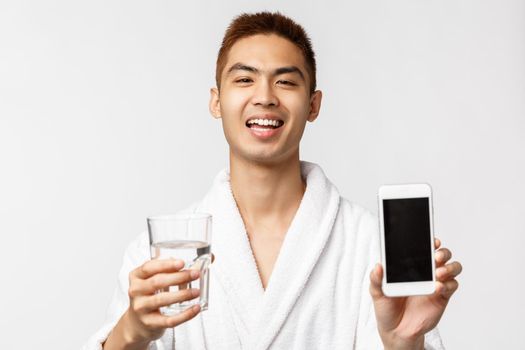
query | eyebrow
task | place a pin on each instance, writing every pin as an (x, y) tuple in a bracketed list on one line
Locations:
[(278, 71)]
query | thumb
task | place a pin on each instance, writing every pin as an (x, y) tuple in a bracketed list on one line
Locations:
[(376, 278)]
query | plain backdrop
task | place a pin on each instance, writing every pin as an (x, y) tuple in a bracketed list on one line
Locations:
[(104, 120)]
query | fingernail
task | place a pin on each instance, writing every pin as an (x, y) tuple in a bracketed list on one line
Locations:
[(195, 292), (196, 308), (194, 273)]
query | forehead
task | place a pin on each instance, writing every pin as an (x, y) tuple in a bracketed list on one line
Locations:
[(266, 52)]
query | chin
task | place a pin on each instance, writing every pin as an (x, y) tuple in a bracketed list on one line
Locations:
[(263, 158)]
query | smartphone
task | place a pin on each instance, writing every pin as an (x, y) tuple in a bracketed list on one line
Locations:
[(407, 239)]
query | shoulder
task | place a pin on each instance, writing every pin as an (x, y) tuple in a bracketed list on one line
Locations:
[(358, 233), (357, 216), (360, 229)]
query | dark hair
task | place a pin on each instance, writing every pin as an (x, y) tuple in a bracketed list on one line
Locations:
[(246, 25)]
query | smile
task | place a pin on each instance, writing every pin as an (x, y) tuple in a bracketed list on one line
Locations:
[(264, 123), (264, 128)]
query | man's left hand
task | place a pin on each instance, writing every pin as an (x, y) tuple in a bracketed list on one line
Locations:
[(403, 321)]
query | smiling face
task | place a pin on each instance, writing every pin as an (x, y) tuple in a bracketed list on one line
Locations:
[(264, 101)]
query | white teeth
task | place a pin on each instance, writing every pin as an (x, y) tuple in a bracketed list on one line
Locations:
[(265, 122)]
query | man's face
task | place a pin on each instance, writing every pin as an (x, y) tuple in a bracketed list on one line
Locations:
[(264, 78)]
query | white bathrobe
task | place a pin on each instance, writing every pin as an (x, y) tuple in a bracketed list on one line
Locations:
[(317, 296)]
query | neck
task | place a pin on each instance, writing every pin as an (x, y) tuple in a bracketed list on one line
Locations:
[(266, 192)]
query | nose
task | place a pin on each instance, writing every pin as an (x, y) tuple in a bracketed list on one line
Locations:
[(264, 95)]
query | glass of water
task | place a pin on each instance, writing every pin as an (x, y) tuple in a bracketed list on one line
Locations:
[(185, 237)]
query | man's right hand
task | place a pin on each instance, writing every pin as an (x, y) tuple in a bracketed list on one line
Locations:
[(142, 322)]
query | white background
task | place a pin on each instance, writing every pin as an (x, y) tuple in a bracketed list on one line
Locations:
[(104, 121)]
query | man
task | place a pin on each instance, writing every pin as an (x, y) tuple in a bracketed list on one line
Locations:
[(294, 262)]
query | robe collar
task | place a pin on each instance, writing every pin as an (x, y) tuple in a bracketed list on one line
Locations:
[(261, 313)]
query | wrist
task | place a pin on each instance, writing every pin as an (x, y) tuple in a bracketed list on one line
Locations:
[(132, 339), (122, 336), (397, 343)]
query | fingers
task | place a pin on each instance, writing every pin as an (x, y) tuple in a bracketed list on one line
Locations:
[(159, 321), (186, 315), (445, 271), (376, 278), (153, 267), (161, 281), (442, 256), (154, 302), (164, 280), (145, 301), (437, 243), (449, 271), (447, 288)]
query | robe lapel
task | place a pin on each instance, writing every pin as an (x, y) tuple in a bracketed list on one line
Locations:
[(235, 265), (300, 251), (262, 313)]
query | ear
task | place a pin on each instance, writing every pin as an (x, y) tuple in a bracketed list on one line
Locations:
[(215, 103), (315, 105)]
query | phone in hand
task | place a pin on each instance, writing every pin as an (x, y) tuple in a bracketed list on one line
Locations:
[(407, 239)]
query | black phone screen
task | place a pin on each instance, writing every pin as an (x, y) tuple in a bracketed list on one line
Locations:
[(407, 240)]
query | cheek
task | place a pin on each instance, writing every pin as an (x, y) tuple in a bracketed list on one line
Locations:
[(299, 109), (296, 103), (232, 103), (232, 107)]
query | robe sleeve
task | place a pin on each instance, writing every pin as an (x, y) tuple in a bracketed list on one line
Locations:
[(367, 336), (136, 254)]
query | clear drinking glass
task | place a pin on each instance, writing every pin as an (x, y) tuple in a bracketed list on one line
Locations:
[(186, 237)]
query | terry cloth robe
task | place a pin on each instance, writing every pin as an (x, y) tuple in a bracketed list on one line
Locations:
[(317, 296)]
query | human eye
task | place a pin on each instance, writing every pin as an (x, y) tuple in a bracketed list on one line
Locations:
[(243, 80), (286, 82)]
